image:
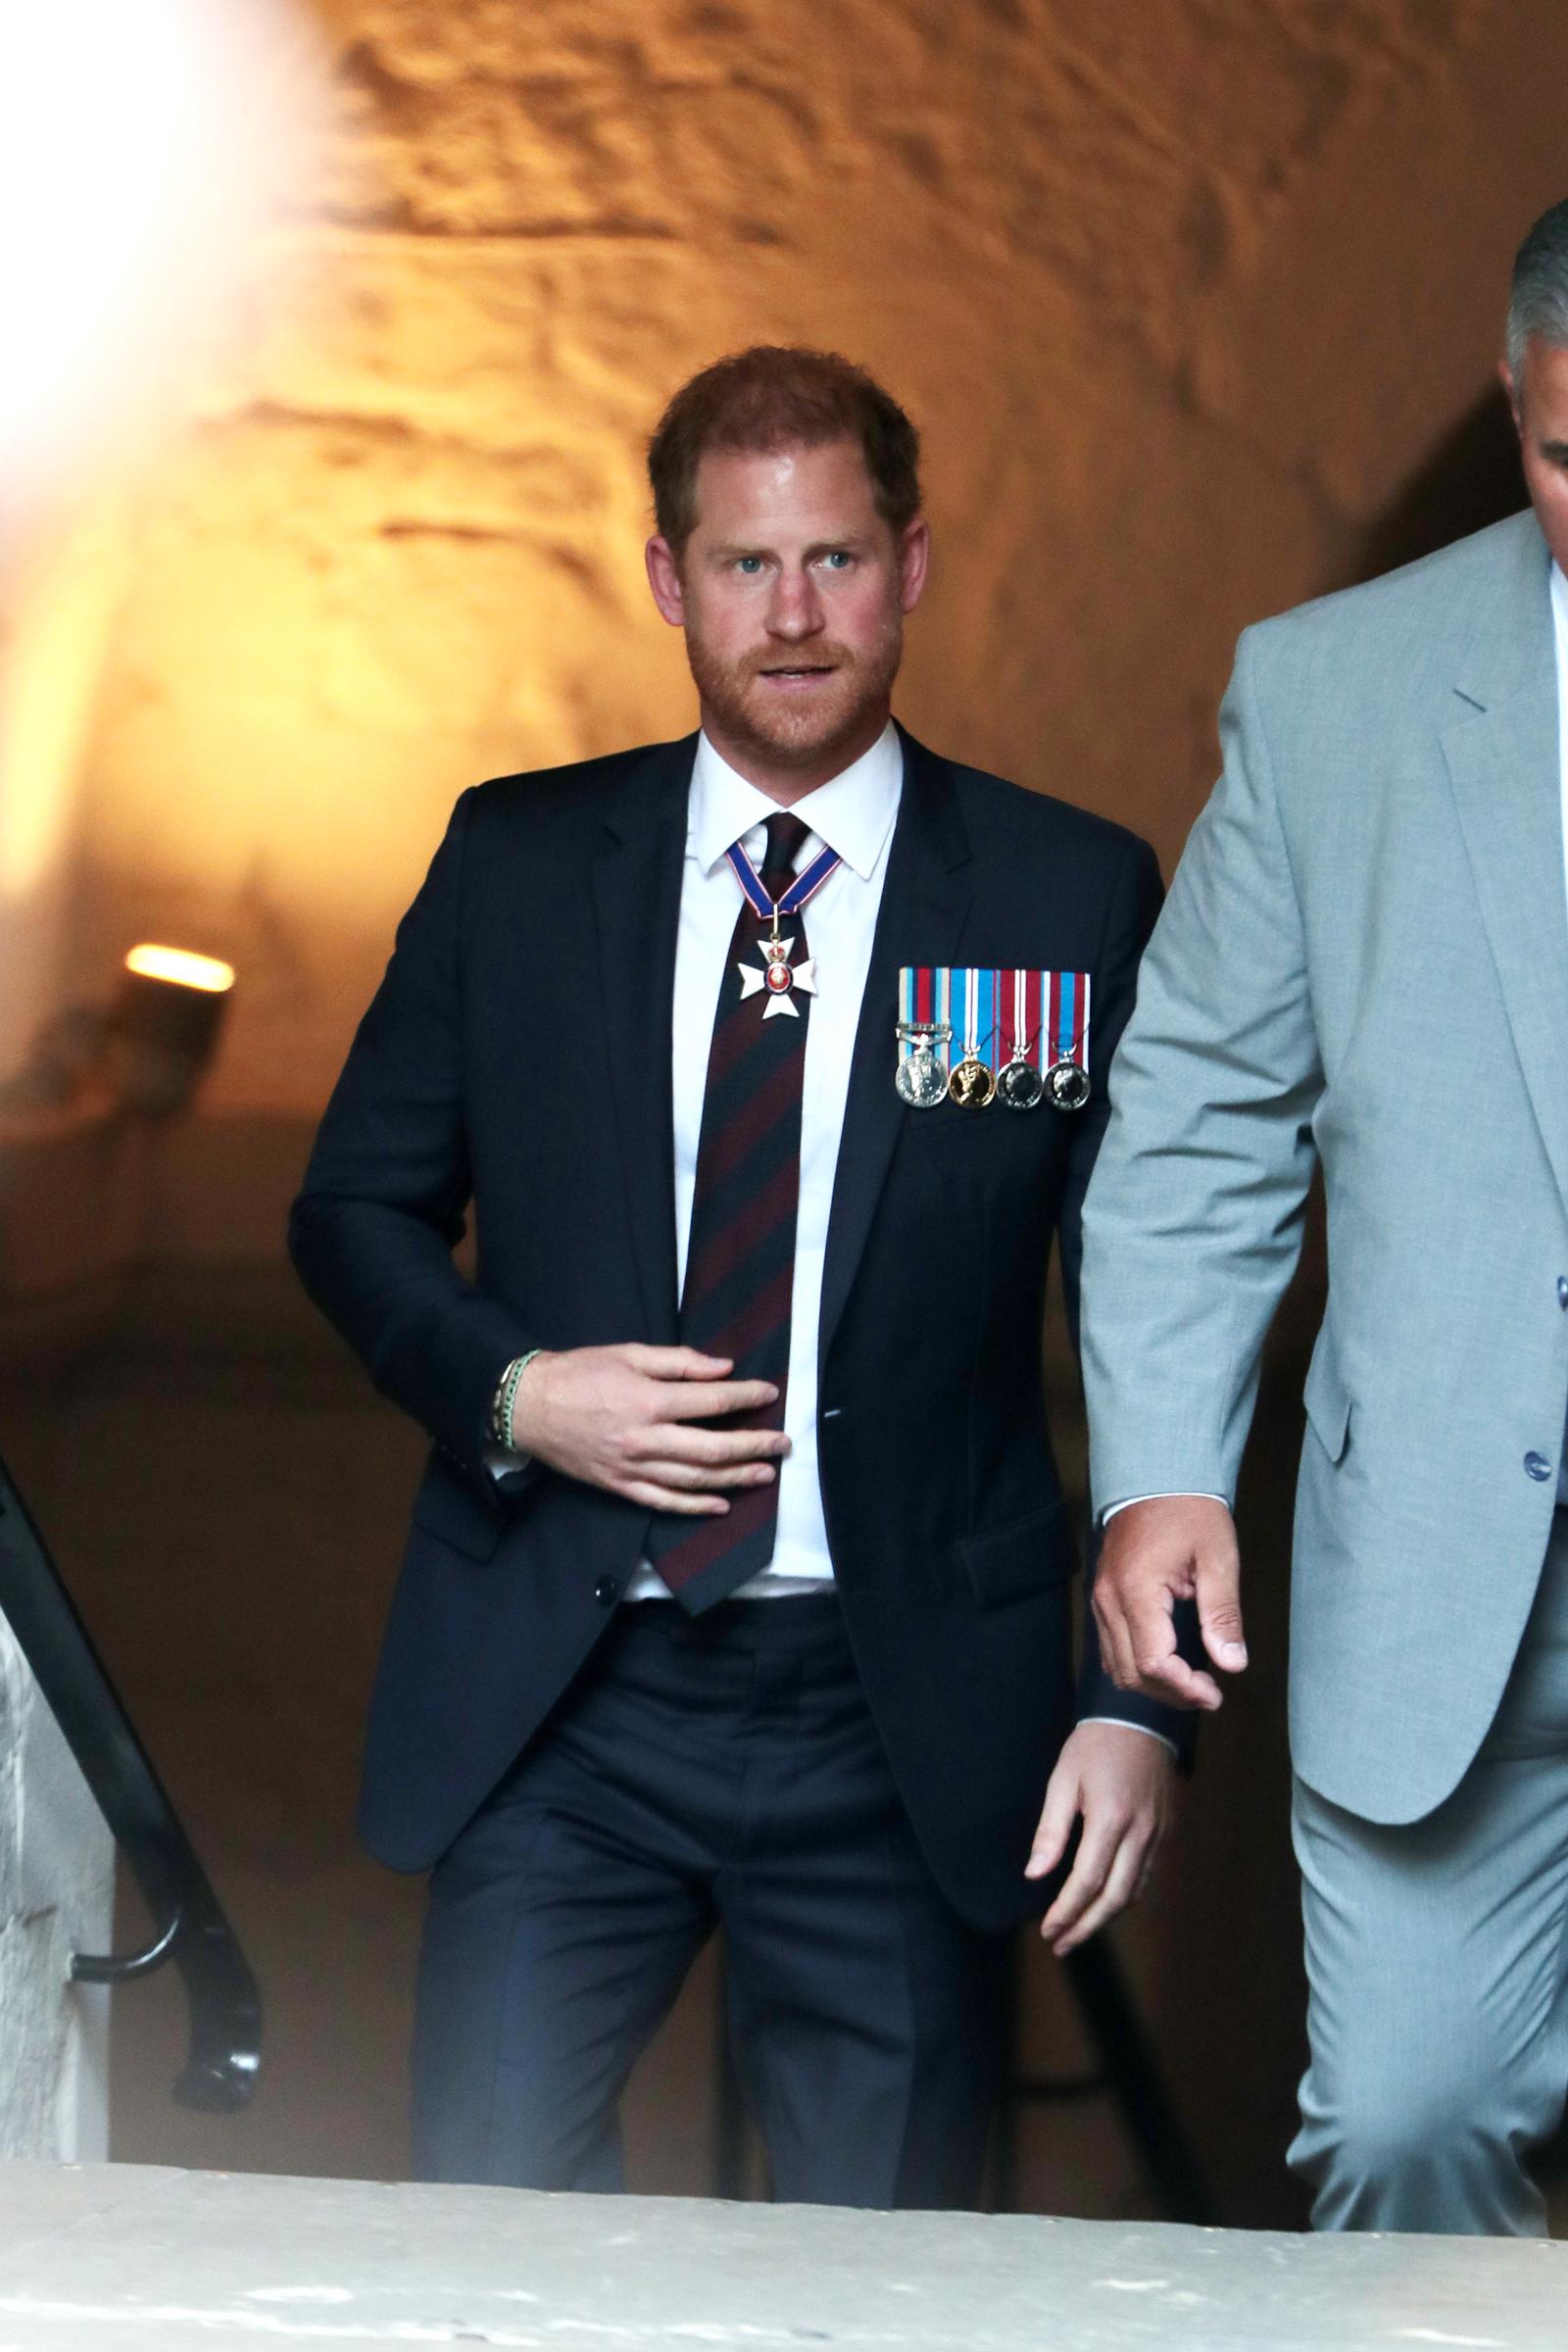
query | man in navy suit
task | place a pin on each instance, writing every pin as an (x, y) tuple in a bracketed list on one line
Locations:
[(769, 1062)]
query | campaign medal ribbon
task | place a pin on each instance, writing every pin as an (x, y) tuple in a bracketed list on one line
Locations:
[(924, 1031), (971, 1083), (1038, 1022), (1020, 1082), (1068, 1026), (776, 975)]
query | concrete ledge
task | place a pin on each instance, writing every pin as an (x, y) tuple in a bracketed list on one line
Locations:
[(102, 2258)]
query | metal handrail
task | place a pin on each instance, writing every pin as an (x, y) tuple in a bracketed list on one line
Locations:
[(1125, 2071), (225, 2007)]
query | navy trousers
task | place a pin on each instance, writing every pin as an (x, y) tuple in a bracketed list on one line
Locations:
[(717, 1771)]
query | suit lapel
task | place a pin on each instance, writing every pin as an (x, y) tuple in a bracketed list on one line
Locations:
[(1501, 749), (925, 898), (637, 879)]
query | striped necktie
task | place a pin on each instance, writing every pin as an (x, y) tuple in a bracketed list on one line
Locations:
[(739, 1259)]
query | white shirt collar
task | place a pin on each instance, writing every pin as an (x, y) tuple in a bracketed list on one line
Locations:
[(1559, 607), (852, 814)]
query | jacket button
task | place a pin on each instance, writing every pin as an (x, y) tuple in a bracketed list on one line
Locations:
[(607, 1592), (1538, 1465), (1562, 1292)]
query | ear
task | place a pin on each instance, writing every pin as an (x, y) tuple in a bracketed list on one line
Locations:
[(914, 561), (664, 579), (1505, 379)]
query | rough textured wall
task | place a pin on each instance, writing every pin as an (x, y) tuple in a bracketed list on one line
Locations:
[(1185, 295), (1181, 294), (56, 1896)]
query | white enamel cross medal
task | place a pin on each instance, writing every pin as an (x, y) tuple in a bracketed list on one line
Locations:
[(779, 979)]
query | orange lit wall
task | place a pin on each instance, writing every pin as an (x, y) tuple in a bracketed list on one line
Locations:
[(1185, 295), (1181, 292)]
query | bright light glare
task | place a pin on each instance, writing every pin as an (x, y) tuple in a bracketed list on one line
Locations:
[(184, 968), (141, 144)]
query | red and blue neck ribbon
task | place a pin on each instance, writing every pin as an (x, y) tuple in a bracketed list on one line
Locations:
[(806, 885)]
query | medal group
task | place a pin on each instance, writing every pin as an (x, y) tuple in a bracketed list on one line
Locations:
[(1024, 1034), (1023, 1037)]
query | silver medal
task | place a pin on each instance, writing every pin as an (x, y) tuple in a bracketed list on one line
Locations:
[(920, 1077), (1067, 1085), (1019, 1085)]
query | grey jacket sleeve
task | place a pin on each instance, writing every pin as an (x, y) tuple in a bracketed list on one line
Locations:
[(1193, 1223)]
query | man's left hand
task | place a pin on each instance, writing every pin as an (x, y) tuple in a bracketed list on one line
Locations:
[(1123, 1784)]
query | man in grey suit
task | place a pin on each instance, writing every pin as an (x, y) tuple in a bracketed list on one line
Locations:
[(1363, 961)]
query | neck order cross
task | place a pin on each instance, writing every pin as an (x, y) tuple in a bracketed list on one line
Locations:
[(775, 895)]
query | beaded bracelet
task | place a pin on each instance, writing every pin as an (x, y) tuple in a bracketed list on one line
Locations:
[(506, 1398)]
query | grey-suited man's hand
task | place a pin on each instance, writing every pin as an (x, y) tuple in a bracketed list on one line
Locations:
[(1122, 1784), (1171, 1548), (626, 1418)]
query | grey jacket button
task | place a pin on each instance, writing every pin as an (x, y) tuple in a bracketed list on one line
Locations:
[(1538, 1465), (1562, 1291), (607, 1592)]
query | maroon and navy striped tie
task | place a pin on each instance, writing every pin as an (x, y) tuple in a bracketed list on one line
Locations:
[(740, 1258)]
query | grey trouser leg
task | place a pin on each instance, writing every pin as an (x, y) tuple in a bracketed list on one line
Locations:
[(1437, 1958)]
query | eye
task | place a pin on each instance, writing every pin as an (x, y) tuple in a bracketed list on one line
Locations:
[(838, 558), (748, 566)]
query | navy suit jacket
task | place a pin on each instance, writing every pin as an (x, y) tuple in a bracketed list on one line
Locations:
[(515, 1061)]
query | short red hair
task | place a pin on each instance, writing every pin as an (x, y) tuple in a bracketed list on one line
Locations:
[(781, 397)]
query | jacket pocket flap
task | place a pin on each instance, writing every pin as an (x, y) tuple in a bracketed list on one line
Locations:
[(1327, 1400), (1019, 1560), (443, 1507)]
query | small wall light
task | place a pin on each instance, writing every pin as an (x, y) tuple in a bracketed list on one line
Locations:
[(161, 1032)]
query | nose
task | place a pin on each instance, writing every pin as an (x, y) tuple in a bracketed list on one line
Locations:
[(796, 612)]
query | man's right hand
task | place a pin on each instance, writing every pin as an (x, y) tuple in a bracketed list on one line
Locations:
[(625, 1418), (1172, 1548)]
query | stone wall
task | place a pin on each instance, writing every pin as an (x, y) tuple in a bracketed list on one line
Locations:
[(1181, 294), (1195, 302), (56, 1898)]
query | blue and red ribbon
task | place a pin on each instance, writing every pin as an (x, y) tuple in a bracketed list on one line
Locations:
[(806, 885)]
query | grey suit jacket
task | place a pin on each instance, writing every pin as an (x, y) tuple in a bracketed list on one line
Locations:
[(1363, 958)]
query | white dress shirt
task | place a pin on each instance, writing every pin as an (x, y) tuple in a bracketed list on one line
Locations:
[(854, 814), (1559, 615)]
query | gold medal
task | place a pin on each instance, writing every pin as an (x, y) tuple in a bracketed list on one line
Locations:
[(972, 1086)]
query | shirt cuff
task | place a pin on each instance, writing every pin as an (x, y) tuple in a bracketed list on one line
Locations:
[(1123, 1725), (1169, 1495), (509, 1469)]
